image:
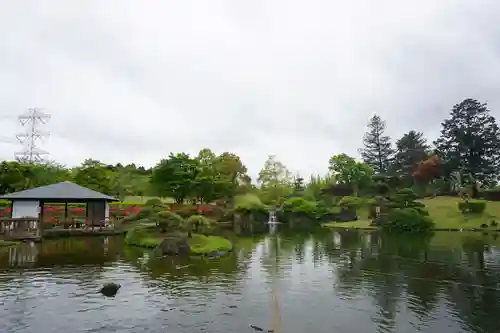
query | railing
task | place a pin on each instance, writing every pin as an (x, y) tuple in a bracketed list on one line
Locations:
[(19, 228), (79, 223)]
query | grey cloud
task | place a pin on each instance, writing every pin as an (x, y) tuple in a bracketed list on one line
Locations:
[(129, 81)]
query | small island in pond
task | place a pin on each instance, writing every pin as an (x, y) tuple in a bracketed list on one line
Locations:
[(170, 234)]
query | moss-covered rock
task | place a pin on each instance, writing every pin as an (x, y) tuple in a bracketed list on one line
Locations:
[(172, 245)]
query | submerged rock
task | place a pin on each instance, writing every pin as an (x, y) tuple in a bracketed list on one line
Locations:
[(257, 328), (110, 289)]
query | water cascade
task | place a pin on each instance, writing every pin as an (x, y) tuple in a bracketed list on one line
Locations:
[(272, 221)]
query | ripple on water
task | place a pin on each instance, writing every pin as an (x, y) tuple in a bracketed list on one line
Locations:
[(349, 286)]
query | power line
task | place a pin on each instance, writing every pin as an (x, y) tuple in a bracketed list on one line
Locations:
[(31, 121)]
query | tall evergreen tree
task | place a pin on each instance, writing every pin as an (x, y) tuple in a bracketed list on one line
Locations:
[(411, 148), (470, 142), (377, 151)]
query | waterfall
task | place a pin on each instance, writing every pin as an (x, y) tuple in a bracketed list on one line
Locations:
[(272, 217), (272, 221)]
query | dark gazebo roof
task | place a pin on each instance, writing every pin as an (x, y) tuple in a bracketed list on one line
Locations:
[(59, 192)]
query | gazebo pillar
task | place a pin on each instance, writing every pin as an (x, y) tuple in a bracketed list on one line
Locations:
[(65, 212)]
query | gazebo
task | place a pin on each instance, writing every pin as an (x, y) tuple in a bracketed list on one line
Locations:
[(27, 207)]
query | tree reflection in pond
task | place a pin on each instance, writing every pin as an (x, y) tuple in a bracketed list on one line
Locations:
[(346, 281)]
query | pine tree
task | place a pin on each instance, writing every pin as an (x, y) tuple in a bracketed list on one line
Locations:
[(470, 142), (411, 148), (377, 151)]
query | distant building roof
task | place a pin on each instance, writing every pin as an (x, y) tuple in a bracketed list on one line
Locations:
[(64, 191)]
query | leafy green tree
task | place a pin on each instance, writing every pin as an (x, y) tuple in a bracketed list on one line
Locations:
[(122, 183), (275, 181), (470, 142), (94, 175), (232, 176), (207, 178), (411, 149), (314, 188), (175, 177), (349, 171), (14, 176), (377, 151)]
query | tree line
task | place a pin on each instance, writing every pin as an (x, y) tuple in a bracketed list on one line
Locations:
[(469, 145)]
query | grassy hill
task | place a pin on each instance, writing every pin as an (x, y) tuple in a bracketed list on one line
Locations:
[(444, 211)]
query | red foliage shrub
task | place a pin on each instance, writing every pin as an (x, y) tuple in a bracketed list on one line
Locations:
[(428, 170), (78, 210)]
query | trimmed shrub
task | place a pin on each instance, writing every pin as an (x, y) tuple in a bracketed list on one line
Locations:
[(338, 190), (472, 206), (154, 202), (351, 202), (492, 194), (168, 220), (299, 205), (407, 220), (198, 223), (187, 211), (144, 213), (246, 204)]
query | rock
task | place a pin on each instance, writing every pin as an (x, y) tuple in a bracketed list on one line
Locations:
[(172, 246), (110, 289), (216, 254), (257, 328)]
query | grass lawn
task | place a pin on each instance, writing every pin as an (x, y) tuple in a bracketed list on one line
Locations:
[(200, 244), (142, 200), (359, 224), (5, 243), (444, 211)]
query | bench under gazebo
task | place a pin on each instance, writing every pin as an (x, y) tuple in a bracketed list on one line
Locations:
[(27, 208)]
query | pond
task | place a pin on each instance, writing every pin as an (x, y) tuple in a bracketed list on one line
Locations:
[(328, 281)]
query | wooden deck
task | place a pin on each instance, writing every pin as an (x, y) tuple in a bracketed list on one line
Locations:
[(20, 229)]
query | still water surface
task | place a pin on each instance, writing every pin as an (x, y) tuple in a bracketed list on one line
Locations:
[(326, 282)]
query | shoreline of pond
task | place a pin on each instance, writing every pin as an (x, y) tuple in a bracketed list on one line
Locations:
[(329, 226)]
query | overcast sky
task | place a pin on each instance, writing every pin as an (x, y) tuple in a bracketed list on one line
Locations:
[(131, 81)]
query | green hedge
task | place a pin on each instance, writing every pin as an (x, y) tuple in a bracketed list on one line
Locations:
[(492, 194), (472, 206), (408, 220)]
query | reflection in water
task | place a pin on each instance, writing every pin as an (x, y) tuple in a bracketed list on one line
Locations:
[(327, 282)]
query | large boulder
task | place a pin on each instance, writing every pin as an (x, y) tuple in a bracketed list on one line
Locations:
[(172, 245)]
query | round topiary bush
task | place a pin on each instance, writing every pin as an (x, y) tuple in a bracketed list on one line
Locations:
[(492, 194), (168, 221), (198, 223), (472, 206), (407, 220), (197, 220), (153, 202)]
